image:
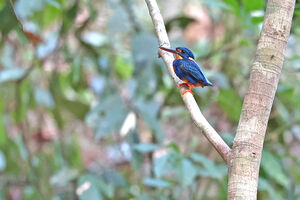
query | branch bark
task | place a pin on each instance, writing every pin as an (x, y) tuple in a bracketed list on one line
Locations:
[(248, 143), (200, 121)]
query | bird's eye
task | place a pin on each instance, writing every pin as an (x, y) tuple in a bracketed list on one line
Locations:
[(183, 51)]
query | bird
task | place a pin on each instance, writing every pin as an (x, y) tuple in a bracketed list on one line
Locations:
[(187, 69)]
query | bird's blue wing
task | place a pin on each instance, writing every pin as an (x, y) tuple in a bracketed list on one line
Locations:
[(192, 69)]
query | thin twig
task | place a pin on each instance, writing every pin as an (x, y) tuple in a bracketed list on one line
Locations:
[(200, 121)]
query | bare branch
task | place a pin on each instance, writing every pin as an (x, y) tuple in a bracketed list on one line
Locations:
[(208, 131)]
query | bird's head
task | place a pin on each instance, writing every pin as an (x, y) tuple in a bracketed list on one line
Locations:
[(180, 52)]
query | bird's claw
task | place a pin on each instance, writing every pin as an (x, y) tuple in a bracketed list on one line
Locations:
[(186, 92), (181, 84)]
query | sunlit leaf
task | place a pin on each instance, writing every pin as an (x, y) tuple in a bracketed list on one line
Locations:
[(234, 4), (54, 3), (2, 4), (50, 14), (123, 69), (251, 5)]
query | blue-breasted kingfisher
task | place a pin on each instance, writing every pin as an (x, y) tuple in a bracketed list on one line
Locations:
[(187, 69)]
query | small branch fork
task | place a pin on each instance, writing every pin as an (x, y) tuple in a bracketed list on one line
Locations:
[(209, 132)]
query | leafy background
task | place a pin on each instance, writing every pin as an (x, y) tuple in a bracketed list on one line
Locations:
[(88, 110)]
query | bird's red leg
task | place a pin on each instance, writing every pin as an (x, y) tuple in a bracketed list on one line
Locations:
[(191, 86), (181, 84)]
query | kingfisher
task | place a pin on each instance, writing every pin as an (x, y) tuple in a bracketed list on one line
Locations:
[(187, 69)]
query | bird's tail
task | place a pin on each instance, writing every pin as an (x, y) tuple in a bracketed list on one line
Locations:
[(208, 83)]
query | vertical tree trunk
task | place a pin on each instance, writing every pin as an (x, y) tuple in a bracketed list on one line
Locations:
[(247, 147)]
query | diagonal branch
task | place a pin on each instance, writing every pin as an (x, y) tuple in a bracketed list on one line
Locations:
[(200, 121)]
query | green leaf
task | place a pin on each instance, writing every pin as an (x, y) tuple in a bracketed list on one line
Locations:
[(161, 166), (11, 74), (77, 108), (118, 22), (107, 116), (123, 69), (181, 21), (10, 19), (271, 165), (144, 50), (64, 176), (263, 184), (12, 155), (186, 172), (210, 168), (146, 147), (3, 134), (50, 14), (257, 20), (234, 4), (231, 103), (115, 178), (87, 188), (154, 182), (31, 192), (2, 4), (251, 5), (149, 111), (69, 17)]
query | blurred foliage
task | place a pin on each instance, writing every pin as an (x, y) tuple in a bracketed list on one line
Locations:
[(88, 110)]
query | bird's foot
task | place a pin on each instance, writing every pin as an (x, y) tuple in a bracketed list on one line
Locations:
[(181, 84), (189, 90)]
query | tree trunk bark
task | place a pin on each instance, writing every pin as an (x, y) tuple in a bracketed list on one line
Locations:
[(247, 147)]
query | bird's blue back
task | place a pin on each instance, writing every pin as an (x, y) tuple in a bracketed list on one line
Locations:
[(191, 71)]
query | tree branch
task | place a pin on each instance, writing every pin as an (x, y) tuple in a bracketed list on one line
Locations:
[(208, 131), (247, 147)]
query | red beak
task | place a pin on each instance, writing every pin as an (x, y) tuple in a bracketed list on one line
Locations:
[(169, 50)]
